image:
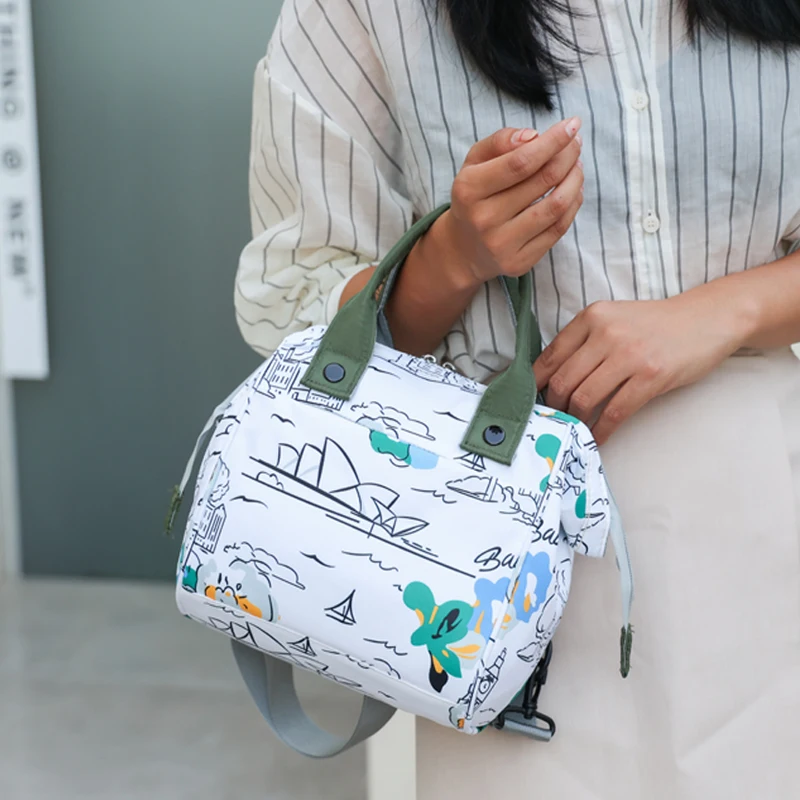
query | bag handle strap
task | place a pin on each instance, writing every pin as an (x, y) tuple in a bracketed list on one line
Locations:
[(511, 286), (346, 348), (271, 685)]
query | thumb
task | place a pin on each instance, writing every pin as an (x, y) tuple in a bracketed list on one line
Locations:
[(499, 143)]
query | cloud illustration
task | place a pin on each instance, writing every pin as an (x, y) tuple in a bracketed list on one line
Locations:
[(402, 453), (388, 419), (269, 479), (222, 484), (265, 563), (574, 469)]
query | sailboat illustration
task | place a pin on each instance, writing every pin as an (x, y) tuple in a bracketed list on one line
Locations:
[(480, 487), (327, 479), (473, 461), (343, 612), (303, 646)]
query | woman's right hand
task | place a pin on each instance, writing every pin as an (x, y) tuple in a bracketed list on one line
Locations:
[(494, 226), (515, 196)]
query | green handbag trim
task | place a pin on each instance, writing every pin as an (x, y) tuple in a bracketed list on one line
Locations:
[(506, 406), (350, 337), (346, 348), (512, 287)]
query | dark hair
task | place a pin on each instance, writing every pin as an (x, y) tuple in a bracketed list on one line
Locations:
[(508, 40)]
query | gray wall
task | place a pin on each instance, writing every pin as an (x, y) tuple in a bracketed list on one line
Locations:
[(144, 116)]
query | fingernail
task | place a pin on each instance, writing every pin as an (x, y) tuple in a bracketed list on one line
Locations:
[(573, 125), (524, 135), (580, 164), (579, 140)]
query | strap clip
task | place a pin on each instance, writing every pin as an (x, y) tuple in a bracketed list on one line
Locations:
[(524, 718)]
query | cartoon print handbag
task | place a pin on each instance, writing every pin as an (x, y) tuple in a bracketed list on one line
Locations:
[(394, 527)]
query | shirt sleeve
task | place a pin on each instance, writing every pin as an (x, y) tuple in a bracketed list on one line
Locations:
[(327, 191), (793, 236)]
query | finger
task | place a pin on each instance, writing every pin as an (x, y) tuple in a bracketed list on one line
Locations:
[(537, 218), (572, 374), (540, 245), (559, 350), (511, 202), (633, 395), (522, 162), (499, 143), (597, 388)]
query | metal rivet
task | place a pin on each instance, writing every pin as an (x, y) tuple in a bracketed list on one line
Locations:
[(494, 435), (333, 373)]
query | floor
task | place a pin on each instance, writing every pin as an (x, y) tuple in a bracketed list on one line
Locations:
[(107, 693)]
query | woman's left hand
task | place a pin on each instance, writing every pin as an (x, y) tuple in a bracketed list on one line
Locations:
[(617, 356)]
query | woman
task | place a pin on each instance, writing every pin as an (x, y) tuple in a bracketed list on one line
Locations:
[(669, 301)]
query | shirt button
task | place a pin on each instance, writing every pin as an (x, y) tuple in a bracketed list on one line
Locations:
[(651, 223), (640, 101)]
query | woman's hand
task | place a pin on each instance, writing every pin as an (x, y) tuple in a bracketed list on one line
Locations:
[(615, 357), (495, 226)]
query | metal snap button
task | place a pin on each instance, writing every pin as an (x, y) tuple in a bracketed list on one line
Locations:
[(333, 372), (494, 435)]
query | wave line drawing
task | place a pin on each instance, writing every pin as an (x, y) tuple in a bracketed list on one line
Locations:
[(385, 643), (373, 560), (383, 371), (451, 415), (436, 495), (313, 557), (243, 499)]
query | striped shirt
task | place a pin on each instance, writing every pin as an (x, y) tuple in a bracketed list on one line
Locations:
[(365, 109)]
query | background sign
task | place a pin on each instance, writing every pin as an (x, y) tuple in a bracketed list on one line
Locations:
[(23, 322)]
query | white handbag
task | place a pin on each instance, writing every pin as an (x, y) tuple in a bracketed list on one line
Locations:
[(394, 527)]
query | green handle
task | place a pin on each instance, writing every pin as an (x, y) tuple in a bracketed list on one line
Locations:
[(505, 408)]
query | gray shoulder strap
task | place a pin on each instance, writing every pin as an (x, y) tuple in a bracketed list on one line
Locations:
[(271, 682), (271, 685)]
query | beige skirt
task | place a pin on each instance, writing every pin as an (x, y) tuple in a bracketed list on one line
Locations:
[(708, 481)]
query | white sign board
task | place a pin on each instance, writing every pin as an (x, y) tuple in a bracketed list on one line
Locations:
[(23, 321)]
